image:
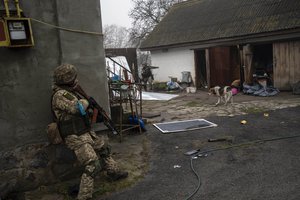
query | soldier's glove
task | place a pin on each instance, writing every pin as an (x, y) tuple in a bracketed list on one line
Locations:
[(85, 103)]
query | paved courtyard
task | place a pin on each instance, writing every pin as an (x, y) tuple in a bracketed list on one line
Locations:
[(254, 170)]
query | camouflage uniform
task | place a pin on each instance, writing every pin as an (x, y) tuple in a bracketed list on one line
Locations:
[(90, 149)]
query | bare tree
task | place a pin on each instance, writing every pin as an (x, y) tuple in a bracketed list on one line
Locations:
[(116, 36), (146, 14)]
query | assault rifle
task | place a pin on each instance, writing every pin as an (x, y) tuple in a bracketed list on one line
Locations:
[(98, 110)]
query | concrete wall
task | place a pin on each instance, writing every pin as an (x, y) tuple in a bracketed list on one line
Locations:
[(26, 73), (171, 63)]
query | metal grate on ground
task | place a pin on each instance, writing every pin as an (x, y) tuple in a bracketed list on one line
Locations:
[(186, 125)]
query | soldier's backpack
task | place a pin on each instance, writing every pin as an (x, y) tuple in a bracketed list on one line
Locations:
[(52, 130), (53, 134)]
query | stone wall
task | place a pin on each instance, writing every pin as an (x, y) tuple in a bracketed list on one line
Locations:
[(29, 167)]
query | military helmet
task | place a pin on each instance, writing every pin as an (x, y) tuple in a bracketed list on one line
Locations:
[(65, 74)]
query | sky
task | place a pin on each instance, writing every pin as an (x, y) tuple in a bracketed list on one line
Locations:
[(116, 12)]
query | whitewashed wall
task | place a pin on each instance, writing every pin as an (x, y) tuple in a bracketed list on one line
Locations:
[(171, 63)]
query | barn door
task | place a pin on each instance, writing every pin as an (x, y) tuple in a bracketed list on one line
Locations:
[(286, 59), (224, 65)]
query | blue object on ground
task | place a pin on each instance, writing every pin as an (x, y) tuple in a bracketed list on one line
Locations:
[(135, 120), (258, 90)]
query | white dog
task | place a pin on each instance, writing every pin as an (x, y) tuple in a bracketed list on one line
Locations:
[(223, 93)]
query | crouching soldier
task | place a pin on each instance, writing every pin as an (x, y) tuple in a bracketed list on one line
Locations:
[(70, 110)]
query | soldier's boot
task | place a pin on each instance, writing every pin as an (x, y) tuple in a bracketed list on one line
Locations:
[(113, 171), (110, 165), (116, 175)]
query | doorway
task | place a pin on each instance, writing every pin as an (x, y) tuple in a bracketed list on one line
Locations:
[(263, 61), (200, 69)]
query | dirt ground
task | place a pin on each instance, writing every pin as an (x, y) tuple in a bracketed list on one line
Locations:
[(201, 105)]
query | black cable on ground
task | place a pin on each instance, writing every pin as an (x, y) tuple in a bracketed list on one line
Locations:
[(198, 178), (229, 147), (247, 144)]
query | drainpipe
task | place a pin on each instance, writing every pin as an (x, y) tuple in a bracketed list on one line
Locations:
[(18, 8), (6, 8)]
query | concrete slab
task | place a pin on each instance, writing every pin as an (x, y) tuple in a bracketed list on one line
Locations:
[(157, 96)]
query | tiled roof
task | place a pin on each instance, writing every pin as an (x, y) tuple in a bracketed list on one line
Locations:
[(203, 20)]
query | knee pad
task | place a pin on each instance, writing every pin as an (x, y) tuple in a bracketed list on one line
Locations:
[(93, 168), (104, 151)]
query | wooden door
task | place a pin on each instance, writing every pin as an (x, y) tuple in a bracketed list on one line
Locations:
[(286, 59), (224, 65)]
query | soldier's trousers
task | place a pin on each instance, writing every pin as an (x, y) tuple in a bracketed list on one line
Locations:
[(85, 147)]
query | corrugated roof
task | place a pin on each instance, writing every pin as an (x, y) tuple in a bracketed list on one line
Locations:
[(202, 20)]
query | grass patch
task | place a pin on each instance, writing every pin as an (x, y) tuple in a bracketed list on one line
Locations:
[(103, 187), (193, 104), (135, 161), (159, 86), (132, 155), (252, 110)]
